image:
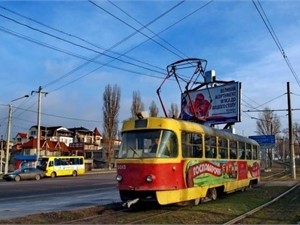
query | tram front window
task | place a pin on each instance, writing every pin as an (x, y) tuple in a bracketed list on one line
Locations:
[(148, 144)]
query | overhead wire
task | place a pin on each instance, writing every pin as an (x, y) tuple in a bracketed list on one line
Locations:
[(126, 38), (78, 56), (267, 23), (74, 36), (40, 43), (147, 28), (75, 44), (144, 26)]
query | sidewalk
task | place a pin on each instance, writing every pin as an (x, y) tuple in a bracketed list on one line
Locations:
[(96, 171)]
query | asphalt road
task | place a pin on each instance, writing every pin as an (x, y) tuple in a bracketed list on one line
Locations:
[(61, 193)]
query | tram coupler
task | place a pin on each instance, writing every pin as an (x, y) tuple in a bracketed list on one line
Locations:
[(130, 202)]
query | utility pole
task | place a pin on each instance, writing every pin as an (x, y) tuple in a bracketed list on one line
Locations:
[(8, 132), (1, 154), (8, 138), (291, 134), (39, 120)]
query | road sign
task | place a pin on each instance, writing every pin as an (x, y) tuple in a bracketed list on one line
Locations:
[(264, 139)]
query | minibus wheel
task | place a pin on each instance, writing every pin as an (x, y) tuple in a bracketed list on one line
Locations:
[(37, 177), (53, 175), (74, 174)]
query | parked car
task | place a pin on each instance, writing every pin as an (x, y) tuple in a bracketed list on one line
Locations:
[(24, 174)]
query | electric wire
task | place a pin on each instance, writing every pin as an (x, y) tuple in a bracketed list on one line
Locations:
[(170, 26), (29, 39), (156, 35), (275, 38), (3, 29), (143, 27), (273, 99), (115, 45), (126, 38), (91, 60), (75, 36), (78, 45)]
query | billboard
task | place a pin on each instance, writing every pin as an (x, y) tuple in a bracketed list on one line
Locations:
[(214, 105)]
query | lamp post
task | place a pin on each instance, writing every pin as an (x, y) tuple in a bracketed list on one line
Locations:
[(8, 132)]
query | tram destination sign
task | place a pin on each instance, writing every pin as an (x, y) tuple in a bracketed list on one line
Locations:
[(264, 140)]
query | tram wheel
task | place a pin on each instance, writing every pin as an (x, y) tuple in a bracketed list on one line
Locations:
[(212, 194), (198, 201)]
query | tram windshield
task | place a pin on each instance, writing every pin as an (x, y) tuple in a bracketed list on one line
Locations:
[(148, 144)]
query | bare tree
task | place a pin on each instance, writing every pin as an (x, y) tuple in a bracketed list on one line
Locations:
[(268, 123), (296, 129), (111, 107), (174, 112), (153, 109), (137, 104)]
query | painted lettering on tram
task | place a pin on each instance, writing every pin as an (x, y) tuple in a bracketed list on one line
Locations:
[(121, 167)]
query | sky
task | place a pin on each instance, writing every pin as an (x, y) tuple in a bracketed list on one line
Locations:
[(74, 49)]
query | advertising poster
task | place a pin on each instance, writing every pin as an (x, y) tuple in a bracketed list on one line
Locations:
[(204, 173), (215, 105)]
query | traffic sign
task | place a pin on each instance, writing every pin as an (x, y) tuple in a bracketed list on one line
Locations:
[(264, 139)]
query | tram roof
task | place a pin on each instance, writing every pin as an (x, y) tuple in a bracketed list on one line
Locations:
[(189, 125)]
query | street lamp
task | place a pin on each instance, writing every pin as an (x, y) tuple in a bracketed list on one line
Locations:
[(8, 132)]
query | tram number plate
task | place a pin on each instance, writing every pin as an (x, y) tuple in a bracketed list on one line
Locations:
[(121, 167)]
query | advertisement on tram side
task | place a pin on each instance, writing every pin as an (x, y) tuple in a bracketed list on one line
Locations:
[(202, 173)]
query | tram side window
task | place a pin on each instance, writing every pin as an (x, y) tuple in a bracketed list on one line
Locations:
[(233, 149), (210, 147), (168, 147), (242, 150), (254, 152), (197, 146), (223, 148), (248, 151), (191, 145)]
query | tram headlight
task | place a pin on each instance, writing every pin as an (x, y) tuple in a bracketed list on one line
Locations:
[(149, 178), (119, 178)]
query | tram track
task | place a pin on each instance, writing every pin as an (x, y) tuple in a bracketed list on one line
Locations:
[(248, 214), (144, 216), (218, 212)]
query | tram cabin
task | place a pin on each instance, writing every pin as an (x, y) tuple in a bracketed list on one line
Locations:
[(174, 161)]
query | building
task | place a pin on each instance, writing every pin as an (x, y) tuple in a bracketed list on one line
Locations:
[(59, 140)]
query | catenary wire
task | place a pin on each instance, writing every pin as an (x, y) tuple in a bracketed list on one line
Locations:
[(75, 36), (143, 27), (165, 28), (186, 16), (276, 40), (156, 35), (78, 45)]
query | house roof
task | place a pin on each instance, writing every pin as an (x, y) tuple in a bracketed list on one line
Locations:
[(96, 132), (80, 129), (22, 135), (46, 145)]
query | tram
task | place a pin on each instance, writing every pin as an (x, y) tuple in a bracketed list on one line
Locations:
[(169, 160)]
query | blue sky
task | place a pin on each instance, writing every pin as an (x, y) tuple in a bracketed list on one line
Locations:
[(53, 44)]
